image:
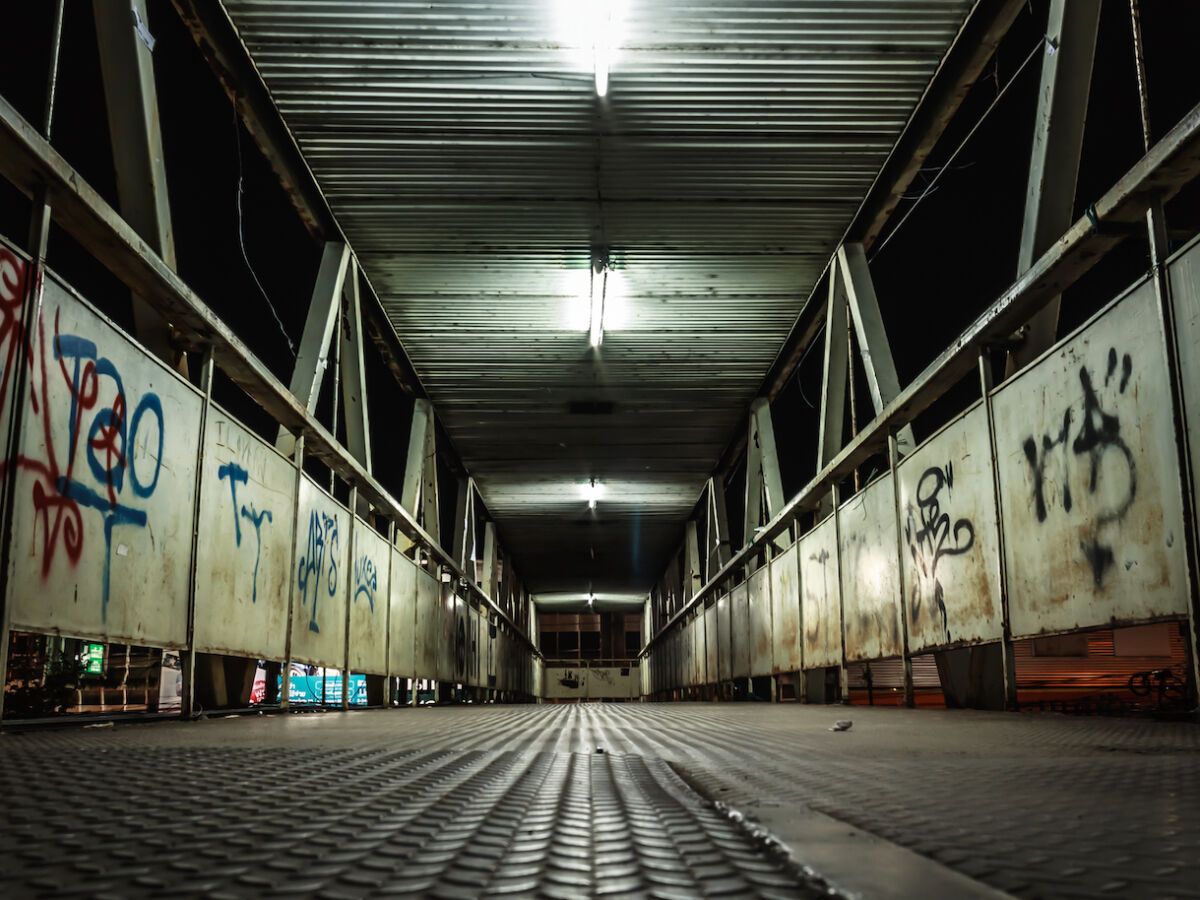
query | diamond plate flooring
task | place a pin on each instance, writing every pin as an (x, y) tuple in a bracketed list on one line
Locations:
[(595, 800)]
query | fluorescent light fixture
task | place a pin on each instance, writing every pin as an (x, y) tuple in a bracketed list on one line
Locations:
[(596, 328), (591, 30), (602, 44), (591, 600), (592, 492)]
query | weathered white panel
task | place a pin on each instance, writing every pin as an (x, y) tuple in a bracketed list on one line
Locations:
[(761, 657), (951, 557), (369, 601), (870, 573), (476, 660), (710, 645), (785, 612), (566, 683), (244, 551), (447, 670), (402, 591), (1185, 294), (725, 637), (1089, 480), (14, 270), (740, 632), (612, 683), (493, 650), (689, 654), (105, 483), (461, 641), (699, 650), (322, 578), (819, 589), (429, 624)]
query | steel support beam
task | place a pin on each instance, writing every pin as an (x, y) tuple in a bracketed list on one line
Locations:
[(833, 379), (873, 346), (720, 547), (695, 575), (1067, 57), (489, 558), (764, 484), (131, 99), (464, 524), (313, 357), (354, 371)]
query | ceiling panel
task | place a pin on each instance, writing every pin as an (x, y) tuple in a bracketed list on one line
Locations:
[(464, 151)]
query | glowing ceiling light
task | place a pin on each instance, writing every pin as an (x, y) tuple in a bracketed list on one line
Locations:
[(591, 600), (591, 32), (592, 492), (596, 327)]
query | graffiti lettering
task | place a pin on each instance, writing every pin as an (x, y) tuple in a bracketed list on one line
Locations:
[(95, 415), (1097, 439), (931, 537), (322, 536), (366, 579), (237, 475)]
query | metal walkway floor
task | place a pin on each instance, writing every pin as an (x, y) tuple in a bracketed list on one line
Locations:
[(605, 800)]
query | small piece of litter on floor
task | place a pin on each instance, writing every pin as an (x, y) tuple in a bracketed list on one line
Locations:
[(100, 725), (841, 725)]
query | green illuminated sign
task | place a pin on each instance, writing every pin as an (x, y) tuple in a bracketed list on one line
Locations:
[(93, 659)]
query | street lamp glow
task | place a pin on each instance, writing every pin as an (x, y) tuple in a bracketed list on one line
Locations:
[(592, 492), (591, 30)]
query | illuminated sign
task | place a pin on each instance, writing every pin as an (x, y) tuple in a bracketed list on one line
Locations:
[(92, 659)]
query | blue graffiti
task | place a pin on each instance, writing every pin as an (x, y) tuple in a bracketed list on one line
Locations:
[(114, 514), (366, 579), (110, 434), (256, 519), (322, 536), (237, 475)]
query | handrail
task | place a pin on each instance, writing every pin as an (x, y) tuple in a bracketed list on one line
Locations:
[(29, 162), (1156, 177)]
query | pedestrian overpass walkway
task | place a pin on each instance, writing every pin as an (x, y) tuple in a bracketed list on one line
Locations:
[(604, 800)]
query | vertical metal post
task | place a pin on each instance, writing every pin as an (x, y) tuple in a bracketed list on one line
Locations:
[(189, 656), (893, 464), (1156, 232), (349, 600), (285, 671), (835, 497), (1006, 647)]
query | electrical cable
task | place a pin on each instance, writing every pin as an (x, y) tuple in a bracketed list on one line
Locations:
[(1042, 41), (237, 130)]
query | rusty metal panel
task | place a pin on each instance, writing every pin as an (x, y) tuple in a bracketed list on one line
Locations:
[(725, 637), (1184, 272), (322, 578), (462, 641), (710, 644), (447, 638), (105, 483), (740, 632), (761, 656), (566, 682), (785, 612), (402, 592), (820, 588), (951, 557), (244, 549), (1089, 481), (699, 649), (870, 572), (503, 646), (368, 601), (429, 624)]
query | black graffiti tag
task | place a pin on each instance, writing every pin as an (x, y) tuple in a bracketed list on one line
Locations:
[(931, 537), (1099, 434)]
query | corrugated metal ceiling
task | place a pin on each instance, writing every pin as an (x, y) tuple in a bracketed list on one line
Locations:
[(466, 156)]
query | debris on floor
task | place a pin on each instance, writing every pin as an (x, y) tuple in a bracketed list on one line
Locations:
[(841, 725)]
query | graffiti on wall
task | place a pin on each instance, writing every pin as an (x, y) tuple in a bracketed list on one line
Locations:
[(932, 534), (312, 570), (236, 475), (366, 579), (812, 629), (1088, 449), (112, 457)]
